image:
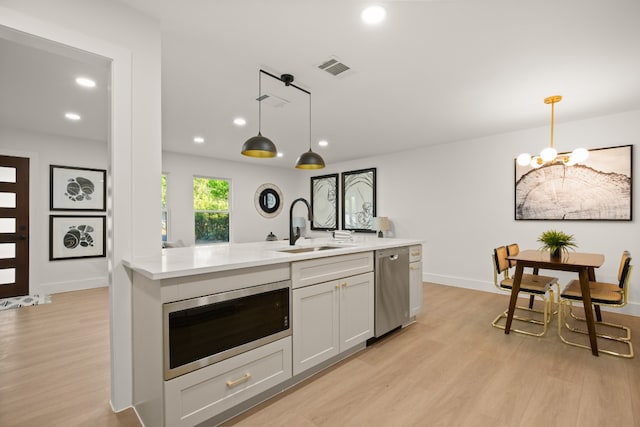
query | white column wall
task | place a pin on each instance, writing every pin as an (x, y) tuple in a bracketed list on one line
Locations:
[(135, 146)]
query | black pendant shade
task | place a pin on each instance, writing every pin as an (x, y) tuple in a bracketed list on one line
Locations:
[(310, 160), (259, 146)]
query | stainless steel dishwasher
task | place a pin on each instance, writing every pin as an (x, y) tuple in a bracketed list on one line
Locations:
[(392, 289)]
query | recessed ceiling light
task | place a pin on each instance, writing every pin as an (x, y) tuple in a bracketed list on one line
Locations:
[(280, 154), (239, 121), (85, 82), (198, 140), (72, 116), (323, 143), (373, 14)]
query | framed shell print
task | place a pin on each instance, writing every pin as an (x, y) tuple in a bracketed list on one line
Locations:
[(76, 236), (73, 188)]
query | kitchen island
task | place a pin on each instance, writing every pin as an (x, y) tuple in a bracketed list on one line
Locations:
[(315, 300)]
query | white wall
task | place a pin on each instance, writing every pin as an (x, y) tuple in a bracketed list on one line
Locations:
[(459, 198), (247, 225), (65, 275)]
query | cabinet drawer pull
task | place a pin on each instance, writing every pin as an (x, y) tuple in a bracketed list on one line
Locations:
[(415, 253), (413, 267), (344, 285), (240, 380)]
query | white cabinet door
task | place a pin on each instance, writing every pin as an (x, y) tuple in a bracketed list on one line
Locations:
[(316, 320), (415, 288), (356, 310)]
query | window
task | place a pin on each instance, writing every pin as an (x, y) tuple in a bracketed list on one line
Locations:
[(211, 210), (164, 215)]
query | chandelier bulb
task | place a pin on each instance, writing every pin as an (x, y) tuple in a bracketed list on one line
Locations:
[(524, 159), (548, 154), (580, 155)]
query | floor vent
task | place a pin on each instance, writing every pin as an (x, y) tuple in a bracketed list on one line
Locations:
[(333, 66)]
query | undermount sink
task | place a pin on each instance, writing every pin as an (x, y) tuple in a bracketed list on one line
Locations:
[(308, 249)]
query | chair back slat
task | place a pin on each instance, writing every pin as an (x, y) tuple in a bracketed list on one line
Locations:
[(513, 250), (623, 270), (500, 256)]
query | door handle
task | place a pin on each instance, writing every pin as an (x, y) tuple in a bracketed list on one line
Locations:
[(393, 257)]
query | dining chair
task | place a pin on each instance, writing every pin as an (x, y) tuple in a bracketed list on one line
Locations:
[(604, 294), (514, 249), (533, 285)]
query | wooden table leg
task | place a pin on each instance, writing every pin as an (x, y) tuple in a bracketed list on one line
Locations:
[(514, 297), (592, 278), (588, 310)]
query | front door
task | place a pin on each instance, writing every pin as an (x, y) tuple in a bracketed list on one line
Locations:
[(14, 226)]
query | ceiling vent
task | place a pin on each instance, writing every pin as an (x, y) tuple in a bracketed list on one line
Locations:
[(273, 100), (333, 66)]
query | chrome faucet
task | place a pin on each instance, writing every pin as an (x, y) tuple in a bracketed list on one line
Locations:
[(292, 236)]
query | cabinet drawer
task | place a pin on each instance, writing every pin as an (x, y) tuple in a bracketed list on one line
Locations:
[(309, 272), (415, 253), (197, 396)]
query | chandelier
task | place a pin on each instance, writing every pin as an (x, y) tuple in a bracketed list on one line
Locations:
[(549, 154)]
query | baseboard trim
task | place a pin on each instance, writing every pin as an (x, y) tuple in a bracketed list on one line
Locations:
[(73, 285)]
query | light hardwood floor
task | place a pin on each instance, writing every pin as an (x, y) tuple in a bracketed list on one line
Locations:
[(54, 364), (450, 368)]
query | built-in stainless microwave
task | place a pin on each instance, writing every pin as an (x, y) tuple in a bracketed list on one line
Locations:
[(201, 331)]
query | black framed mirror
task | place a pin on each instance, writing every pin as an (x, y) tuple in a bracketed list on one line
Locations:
[(268, 200)]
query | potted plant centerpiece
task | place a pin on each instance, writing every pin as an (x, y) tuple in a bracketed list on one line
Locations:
[(557, 243)]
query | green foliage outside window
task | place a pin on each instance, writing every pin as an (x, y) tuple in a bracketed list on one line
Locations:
[(212, 227), (163, 209), (211, 206), (164, 191)]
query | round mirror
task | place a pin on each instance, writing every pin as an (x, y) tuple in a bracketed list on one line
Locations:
[(268, 200)]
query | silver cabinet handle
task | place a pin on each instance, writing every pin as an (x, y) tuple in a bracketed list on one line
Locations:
[(233, 383), (393, 257)]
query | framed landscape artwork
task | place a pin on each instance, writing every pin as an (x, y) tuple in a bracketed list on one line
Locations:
[(359, 200), (73, 188), (76, 236), (324, 202), (600, 188)]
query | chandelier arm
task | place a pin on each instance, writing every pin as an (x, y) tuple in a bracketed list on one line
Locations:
[(553, 104)]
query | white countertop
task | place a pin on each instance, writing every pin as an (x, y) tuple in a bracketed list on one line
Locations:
[(177, 262)]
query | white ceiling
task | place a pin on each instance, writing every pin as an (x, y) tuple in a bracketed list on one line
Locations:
[(37, 87), (434, 72)]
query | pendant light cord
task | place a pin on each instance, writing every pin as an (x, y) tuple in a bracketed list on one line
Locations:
[(309, 122), (259, 102)]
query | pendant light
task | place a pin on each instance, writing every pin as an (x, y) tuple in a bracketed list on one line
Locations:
[(310, 160), (259, 146), (549, 154)]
